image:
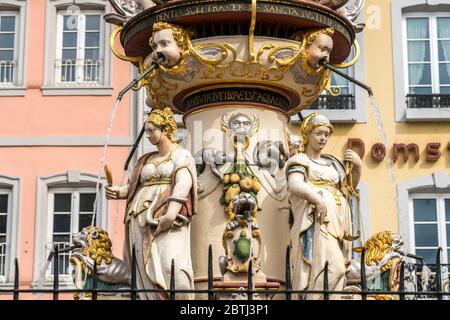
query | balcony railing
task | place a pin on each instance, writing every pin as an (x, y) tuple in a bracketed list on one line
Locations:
[(83, 72), (327, 102), (63, 259), (428, 101), (7, 68)]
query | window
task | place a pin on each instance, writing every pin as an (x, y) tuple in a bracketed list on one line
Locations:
[(77, 55), (428, 54), (79, 51), (70, 211), (9, 212), (421, 59), (8, 47), (12, 47), (431, 226), (5, 208), (65, 205)]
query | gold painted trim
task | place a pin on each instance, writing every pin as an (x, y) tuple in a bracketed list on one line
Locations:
[(354, 60), (112, 44), (251, 33), (333, 91)]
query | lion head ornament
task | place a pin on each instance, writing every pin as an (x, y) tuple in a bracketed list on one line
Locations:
[(382, 255), (94, 245)]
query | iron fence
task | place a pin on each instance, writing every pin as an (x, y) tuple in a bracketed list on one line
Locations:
[(438, 292)]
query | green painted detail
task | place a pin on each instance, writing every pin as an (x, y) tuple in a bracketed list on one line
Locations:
[(380, 283), (103, 285), (242, 247)]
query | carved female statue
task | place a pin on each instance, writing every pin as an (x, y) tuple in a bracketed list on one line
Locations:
[(321, 229), (161, 200)]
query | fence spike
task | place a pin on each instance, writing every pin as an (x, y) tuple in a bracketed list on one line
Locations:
[(56, 273), (402, 280), (250, 281), (133, 273), (325, 282), (16, 279), (210, 274), (288, 273), (94, 281), (363, 275), (172, 280), (438, 273)]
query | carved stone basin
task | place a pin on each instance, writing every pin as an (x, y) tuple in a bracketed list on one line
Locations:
[(279, 19)]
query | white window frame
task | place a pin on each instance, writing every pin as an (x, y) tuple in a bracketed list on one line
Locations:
[(8, 192), (11, 186), (434, 49), (72, 179), (15, 14), (81, 36), (18, 9), (50, 86), (74, 223), (441, 222), (399, 9)]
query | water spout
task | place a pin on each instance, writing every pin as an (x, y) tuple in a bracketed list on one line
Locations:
[(328, 66)]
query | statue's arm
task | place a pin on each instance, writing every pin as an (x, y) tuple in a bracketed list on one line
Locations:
[(300, 188), (181, 189)]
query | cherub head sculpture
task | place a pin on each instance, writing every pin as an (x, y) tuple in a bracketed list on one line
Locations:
[(164, 121), (312, 121), (317, 46), (170, 41)]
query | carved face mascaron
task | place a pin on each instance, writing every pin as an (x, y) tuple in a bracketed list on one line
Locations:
[(240, 124), (320, 49), (164, 43)]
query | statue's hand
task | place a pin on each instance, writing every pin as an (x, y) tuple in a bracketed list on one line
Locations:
[(321, 211), (352, 157), (165, 222), (112, 192)]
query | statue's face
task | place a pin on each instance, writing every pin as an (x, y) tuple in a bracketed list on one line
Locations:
[(164, 43), (154, 134), (318, 137), (320, 49), (241, 124)]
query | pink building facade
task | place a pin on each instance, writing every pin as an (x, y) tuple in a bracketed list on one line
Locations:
[(58, 84)]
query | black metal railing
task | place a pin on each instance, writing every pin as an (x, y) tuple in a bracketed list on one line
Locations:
[(427, 101), (437, 292), (341, 102)]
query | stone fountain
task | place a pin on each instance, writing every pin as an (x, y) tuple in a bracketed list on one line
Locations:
[(239, 70)]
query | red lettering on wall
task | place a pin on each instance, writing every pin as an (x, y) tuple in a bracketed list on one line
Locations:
[(433, 152), (378, 152), (356, 142), (406, 149)]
